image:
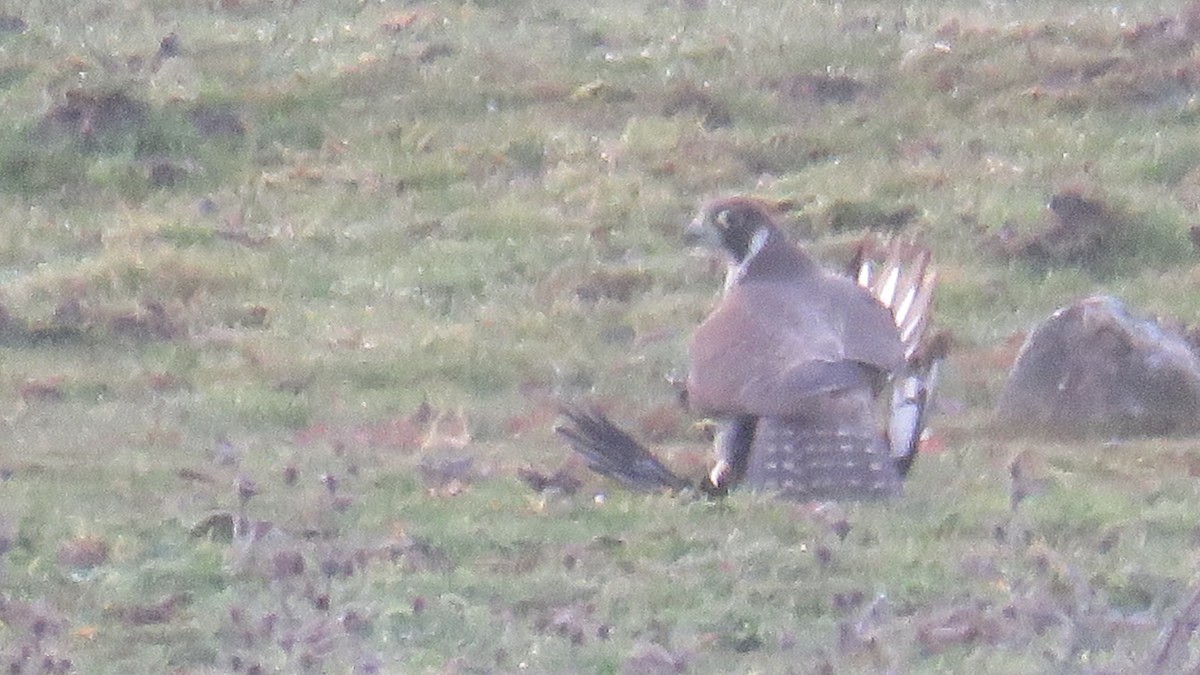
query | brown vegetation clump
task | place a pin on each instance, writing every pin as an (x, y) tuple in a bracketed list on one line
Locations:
[(153, 613), (43, 389), (561, 480), (845, 215), (822, 88), (655, 659), (426, 428), (217, 121), (10, 23), (152, 320), (1082, 231), (701, 101), (958, 627), (83, 552), (448, 476), (85, 114), (1175, 33), (620, 285)]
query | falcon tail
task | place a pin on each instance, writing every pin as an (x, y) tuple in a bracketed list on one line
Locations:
[(611, 452), (903, 281)]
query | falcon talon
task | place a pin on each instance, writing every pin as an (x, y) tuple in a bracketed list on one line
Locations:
[(719, 472), (794, 364)]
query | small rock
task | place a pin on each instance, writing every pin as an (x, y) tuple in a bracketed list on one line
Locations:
[(1093, 368)]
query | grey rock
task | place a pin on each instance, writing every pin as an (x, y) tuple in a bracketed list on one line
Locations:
[(1093, 368)]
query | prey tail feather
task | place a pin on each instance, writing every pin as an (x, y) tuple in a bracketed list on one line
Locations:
[(612, 452)]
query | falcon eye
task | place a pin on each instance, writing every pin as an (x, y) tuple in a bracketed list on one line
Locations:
[(740, 216), (733, 218), (736, 229)]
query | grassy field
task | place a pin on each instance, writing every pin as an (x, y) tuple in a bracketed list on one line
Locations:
[(289, 293)]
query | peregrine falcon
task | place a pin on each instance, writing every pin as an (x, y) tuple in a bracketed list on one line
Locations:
[(796, 365)]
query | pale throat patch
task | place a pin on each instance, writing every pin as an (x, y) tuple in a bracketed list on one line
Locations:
[(736, 271)]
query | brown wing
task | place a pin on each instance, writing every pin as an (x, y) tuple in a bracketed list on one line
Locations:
[(769, 347)]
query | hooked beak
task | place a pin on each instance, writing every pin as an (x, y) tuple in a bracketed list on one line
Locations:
[(696, 234)]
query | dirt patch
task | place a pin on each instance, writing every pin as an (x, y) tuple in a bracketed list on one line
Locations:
[(845, 215), (692, 99), (822, 88), (86, 114), (216, 120), (10, 23), (1080, 230), (619, 285)]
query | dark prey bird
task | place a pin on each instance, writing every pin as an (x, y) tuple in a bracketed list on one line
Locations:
[(797, 365)]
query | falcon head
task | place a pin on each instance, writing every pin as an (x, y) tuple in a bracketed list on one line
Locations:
[(737, 227)]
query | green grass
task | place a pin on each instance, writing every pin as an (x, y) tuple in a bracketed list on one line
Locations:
[(264, 253)]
